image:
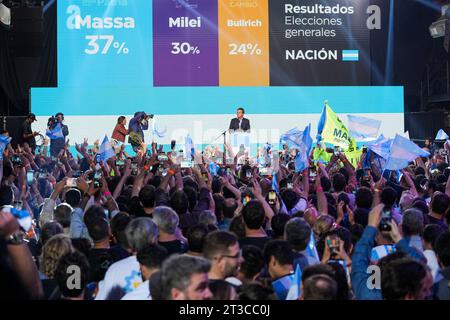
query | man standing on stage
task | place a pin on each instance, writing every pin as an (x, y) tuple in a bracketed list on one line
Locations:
[(240, 123), (28, 136), (57, 132), (138, 124)]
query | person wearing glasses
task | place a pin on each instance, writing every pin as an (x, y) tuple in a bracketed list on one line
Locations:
[(223, 250)]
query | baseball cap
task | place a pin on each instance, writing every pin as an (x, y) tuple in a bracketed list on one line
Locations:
[(32, 116)]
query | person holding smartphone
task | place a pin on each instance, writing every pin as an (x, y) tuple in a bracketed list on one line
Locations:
[(28, 135)]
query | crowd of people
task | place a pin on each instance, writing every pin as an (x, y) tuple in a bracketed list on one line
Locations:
[(145, 227)]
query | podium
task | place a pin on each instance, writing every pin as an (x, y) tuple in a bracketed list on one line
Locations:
[(240, 143)]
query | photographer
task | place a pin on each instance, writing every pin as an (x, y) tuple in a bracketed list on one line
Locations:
[(57, 132), (138, 124)]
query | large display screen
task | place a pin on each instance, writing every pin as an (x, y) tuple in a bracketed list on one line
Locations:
[(193, 62)]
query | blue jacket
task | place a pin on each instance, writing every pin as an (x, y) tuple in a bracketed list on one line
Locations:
[(136, 125), (361, 261)]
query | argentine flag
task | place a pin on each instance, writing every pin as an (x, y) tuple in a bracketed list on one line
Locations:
[(4, 141), (188, 148), (55, 133), (381, 147), (402, 152), (381, 252), (106, 151), (302, 141), (350, 55), (441, 135), (363, 129), (294, 290)]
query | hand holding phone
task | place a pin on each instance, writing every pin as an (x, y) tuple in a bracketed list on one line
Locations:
[(134, 168), (30, 177), (386, 218), (272, 198), (72, 182), (333, 243)]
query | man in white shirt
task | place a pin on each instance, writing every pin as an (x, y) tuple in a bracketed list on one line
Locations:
[(125, 275), (150, 260)]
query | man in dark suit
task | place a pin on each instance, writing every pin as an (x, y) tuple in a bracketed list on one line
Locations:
[(240, 123)]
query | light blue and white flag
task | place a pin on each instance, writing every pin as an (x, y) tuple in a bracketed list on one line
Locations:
[(402, 152), (350, 55), (55, 133), (302, 141), (188, 148), (311, 249), (282, 286), (275, 183), (362, 128), (382, 251), (295, 291), (4, 141), (106, 151), (381, 146), (441, 135)]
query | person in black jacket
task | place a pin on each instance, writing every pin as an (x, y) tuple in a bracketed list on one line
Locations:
[(57, 142), (240, 123)]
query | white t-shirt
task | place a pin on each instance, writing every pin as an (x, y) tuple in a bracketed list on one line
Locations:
[(432, 262), (142, 292), (121, 278)]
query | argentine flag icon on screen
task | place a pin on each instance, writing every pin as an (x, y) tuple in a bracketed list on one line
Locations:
[(350, 55)]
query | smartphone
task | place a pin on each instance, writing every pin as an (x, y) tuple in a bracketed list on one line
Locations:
[(336, 149), (386, 217), (98, 179), (162, 158), (98, 159), (246, 200), (186, 164), (71, 182), (120, 163), (333, 243), (98, 175), (290, 185), (265, 172), (16, 160), (164, 172), (248, 174), (229, 172), (134, 168), (172, 144), (272, 197), (30, 177), (18, 205), (312, 172)]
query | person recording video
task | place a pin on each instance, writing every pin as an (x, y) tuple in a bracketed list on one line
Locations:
[(240, 123), (137, 126), (57, 132)]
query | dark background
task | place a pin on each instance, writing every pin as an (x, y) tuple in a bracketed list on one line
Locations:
[(318, 72), (419, 63)]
